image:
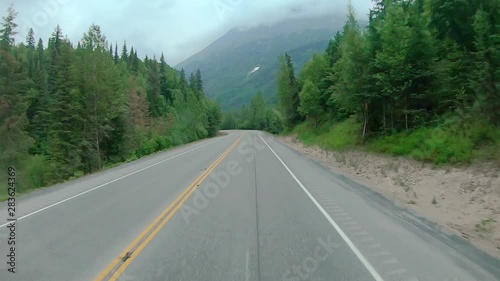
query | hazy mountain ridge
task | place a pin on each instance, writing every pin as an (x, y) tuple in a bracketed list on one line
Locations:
[(227, 62)]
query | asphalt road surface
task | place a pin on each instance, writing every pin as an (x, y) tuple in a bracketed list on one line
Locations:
[(237, 207)]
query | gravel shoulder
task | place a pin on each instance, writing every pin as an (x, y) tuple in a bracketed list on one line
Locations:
[(463, 200)]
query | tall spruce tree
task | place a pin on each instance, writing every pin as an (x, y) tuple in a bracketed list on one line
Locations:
[(288, 92)]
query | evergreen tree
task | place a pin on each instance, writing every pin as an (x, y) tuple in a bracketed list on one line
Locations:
[(39, 101), (198, 83), (316, 72), (135, 63), (164, 87), (65, 119), (394, 78), (130, 60), (192, 82), (55, 45), (258, 111), (183, 84), (116, 58), (101, 100), (214, 116), (124, 56), (156, 101), (349, 92), (288, 92), (421, 58), (310, 102), (13, 84), (486, 75), (30, 43), (40, 74), (454, 19), (332, 50), (8, 30)]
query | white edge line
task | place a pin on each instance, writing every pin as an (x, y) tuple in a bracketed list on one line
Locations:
[(348, 241), (112, 181)]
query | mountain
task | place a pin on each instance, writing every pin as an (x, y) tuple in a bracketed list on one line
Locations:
[(242, 62)]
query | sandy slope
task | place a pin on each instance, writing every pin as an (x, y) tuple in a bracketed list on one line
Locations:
[(464, 200)]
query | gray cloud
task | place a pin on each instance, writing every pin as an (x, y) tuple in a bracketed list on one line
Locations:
[(179, 28)]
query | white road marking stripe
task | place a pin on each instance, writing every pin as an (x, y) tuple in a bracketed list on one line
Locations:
[(112, 181), (348, 241)]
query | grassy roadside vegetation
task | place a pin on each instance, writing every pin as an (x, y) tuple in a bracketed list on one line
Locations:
[(35, 183), (447, 144)]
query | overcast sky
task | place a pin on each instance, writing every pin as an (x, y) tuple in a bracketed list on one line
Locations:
[(179, 28)]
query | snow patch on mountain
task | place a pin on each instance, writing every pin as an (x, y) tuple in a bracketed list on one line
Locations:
[(255, 69)]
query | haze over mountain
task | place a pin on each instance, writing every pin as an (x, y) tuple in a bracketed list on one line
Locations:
[(242, 62), (177, 28)]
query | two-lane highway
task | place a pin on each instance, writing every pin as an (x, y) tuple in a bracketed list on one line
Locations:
[(61, 239), (237, 207)]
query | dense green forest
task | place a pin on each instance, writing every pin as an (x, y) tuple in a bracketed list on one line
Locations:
[(422, 80), (67, 110), (256, 116)]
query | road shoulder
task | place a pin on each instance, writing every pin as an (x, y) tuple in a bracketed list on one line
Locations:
[(371, 173)]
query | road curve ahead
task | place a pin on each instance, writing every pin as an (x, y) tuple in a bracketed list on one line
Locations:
[(237, 207)]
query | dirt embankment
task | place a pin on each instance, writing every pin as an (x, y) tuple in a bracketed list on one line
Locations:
[(464, 200)]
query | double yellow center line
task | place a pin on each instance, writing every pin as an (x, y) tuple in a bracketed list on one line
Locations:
[(118, 266)]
